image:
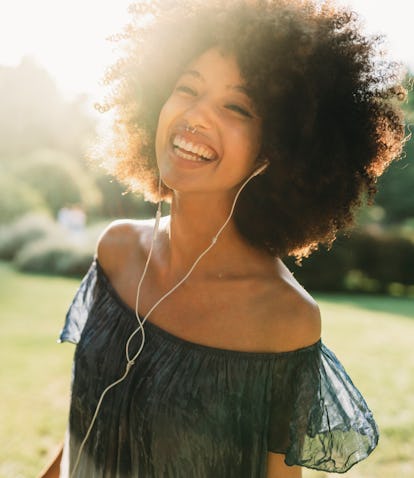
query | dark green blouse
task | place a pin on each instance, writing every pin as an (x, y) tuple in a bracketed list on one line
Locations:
[(189, 410)]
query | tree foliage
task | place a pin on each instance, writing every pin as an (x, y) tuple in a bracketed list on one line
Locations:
[(34, 114), (59, 179), (396, 186), (18, 198)]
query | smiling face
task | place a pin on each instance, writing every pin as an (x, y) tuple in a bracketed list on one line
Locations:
[(209, 96)]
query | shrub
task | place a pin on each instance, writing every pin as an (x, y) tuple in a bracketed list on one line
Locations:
[(18, 198), (22, 231), (117, 202), (372, 262), (324, 270), (93, 232), (384, 258), (51, 255)]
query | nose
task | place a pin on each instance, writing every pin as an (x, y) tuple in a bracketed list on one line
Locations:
[(200, 114)]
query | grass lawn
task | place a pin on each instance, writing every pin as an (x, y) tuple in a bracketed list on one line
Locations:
[(35, 371), (372, 337)]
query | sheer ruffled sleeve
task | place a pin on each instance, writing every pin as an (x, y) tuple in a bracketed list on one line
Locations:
[(318, 417), (79, 309)]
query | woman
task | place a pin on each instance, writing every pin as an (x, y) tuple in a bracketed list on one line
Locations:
[(199, 354)]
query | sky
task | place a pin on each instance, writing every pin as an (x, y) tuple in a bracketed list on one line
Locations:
[(68, 38)]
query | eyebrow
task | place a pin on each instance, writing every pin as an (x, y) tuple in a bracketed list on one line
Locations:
[(195, 74), (240, 88)]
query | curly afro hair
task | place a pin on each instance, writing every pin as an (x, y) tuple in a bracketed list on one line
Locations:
[(329, 103)]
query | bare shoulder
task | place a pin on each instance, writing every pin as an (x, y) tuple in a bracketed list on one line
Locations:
[(121, 242), (294, 317)]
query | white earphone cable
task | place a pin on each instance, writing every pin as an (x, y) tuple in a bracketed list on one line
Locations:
[(131, 361)]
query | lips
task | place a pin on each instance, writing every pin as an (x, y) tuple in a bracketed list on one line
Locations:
[(192, 150)]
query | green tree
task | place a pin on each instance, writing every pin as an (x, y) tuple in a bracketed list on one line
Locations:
[(60, 179), (117, 202), (396, 186), (18, 198), (34, 114)]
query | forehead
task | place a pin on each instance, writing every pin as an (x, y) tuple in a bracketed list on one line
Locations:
[(214, 65)]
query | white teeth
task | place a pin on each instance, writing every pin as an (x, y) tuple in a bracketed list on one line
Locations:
[(197, 149), (189, 157)]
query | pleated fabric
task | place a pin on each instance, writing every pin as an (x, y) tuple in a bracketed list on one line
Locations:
[(189, 410)]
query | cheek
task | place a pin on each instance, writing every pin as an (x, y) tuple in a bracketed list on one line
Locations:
[(256, 143), (247, 142), (256, 139)]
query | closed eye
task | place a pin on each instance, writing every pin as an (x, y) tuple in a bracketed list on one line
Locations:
[(186, 89), (240, 110)]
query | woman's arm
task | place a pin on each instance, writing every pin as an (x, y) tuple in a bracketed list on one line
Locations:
[(53, 468), (276, 467)]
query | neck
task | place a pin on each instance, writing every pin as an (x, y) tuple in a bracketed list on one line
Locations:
[(195, 221)]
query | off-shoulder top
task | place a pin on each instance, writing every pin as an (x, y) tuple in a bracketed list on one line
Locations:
[(190, 410)]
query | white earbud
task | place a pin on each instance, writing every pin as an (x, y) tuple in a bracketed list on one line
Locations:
[(261, 168)]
